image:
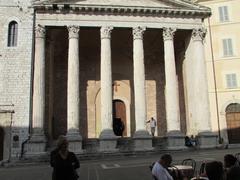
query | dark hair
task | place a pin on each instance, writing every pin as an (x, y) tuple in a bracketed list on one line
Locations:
[(166, 157), (214, 170), (229, 160)]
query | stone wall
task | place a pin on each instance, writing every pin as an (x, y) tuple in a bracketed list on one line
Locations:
[(15, 65), (5, 139)]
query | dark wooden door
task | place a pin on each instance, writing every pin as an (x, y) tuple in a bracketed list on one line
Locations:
[(233, 127), (1, 143), (119, 113)]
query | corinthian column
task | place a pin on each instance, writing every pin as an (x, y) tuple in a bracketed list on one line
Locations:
[(106, 81), (175, 139), (201, 113), (73, 88), (171, 87), (37, 143), (39, 83), (139, 90), (139, 78), (107, 137)]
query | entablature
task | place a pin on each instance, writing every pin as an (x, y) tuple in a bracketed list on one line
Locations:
[(121, 10)]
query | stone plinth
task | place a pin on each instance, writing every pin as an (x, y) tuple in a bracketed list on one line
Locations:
[(175, 140), (36, 146), (107, 141), (75, 142), (207, 139), (142, 141)]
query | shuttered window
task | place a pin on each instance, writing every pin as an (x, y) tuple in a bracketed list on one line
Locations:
[(223, 13), (231, 80), (227, 47)]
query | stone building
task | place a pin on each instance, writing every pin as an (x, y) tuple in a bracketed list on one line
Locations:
[(15, 75), (82, 67), (222, 60)]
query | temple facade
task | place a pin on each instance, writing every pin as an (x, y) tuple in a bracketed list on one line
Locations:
[(98, 70)]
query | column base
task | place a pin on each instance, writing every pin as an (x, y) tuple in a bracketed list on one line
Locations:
[(207, 139), (142, 141), (36, 146), (74, 142), (108, 141), (175, 140)]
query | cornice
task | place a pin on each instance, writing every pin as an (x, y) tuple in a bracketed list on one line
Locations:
[(120, 10)]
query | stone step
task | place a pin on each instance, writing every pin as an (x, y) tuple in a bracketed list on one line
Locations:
[(159, 143), (90, 145), (125, 146)]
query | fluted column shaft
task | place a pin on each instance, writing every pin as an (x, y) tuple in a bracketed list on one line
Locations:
[(139, 78), (73, 81), (39, 82), (202, 113), (106, 78), (171, 87)]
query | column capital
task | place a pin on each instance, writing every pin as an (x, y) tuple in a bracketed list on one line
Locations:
[(106, 32), (199, 34), (168, 33), (73, 31), (40, 31), (138, 32)]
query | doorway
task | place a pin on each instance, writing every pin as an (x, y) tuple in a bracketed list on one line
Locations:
[(119, 118), (233, 123)]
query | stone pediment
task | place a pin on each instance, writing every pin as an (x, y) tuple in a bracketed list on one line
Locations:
[(130, 6)]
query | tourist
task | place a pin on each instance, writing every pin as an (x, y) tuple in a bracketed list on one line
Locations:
[(64, 162), (153, 124), (229, 161), (214, 170), (160, 168), (190, 142), (232, 169)]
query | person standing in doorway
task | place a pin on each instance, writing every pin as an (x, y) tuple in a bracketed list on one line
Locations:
[(153, 124)]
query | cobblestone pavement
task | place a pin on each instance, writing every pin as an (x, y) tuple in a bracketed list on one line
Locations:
[(127, 168)]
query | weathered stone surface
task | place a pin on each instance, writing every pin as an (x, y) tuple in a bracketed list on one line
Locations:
[(16, 66)]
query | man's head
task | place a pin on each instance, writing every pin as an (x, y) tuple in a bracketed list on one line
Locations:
[(214, 170), (166, 160), (229, 160)]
